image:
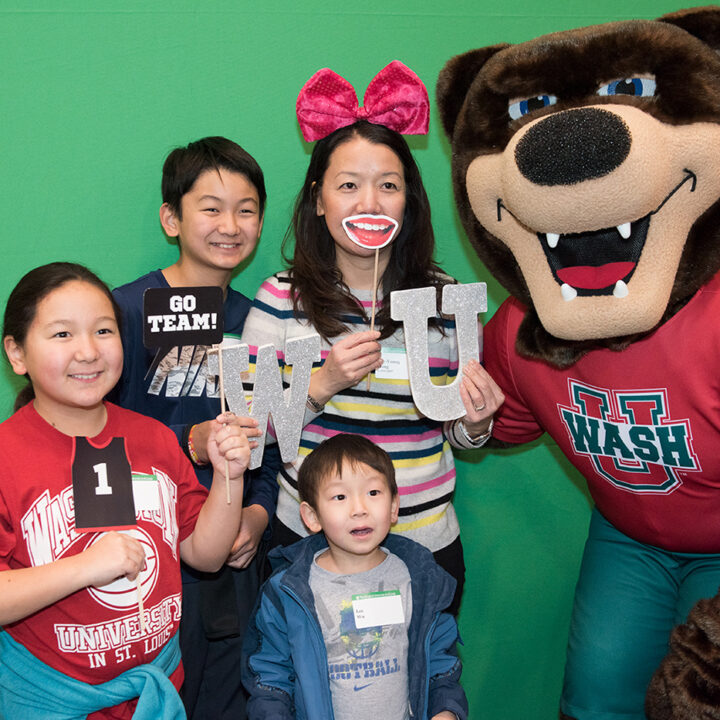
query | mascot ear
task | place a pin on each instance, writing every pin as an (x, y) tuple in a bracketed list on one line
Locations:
[(455, 80), (702, 22)]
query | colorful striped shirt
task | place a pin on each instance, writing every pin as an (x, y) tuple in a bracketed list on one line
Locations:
[(386, 414)]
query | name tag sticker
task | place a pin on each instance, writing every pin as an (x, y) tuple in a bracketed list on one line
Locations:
[(378, 608), (394, 365), (146, 492)]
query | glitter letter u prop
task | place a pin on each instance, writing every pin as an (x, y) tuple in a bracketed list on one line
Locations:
[(413, 308), (268, 395)]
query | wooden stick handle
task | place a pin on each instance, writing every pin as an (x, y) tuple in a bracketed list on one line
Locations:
[(374, 303), (222, 409), (141, 605)]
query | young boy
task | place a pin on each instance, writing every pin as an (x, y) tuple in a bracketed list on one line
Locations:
[(352, 625), (213, 195)]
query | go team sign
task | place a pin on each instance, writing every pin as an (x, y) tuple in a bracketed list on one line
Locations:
[(182, 316)]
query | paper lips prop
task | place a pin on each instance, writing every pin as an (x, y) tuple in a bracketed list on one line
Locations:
[(370, 231)]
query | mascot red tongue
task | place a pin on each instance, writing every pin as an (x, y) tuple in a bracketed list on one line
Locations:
[(586, 170), (596, 278)]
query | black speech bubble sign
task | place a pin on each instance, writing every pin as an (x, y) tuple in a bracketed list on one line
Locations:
[(182, 316), (102, 486)]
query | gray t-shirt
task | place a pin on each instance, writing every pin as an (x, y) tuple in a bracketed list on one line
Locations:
[(367, 666)]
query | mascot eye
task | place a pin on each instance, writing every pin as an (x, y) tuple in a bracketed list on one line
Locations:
[(640, 87), (522, 107)]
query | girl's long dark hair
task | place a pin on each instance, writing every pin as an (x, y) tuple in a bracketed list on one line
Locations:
[(316, 286), (35, 286)]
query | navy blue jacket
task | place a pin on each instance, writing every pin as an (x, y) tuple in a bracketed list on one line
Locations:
[(285, 667)]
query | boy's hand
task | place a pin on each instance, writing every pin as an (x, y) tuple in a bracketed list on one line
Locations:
[(348, 362), (445, 715), (252, 526), (228, 441), (113, 556), (201, 435)]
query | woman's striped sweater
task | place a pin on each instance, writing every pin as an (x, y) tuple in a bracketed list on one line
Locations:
[(421, 454)]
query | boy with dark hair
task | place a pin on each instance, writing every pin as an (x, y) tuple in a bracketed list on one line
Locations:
[(184, 165), (352, 624), (213, 195)]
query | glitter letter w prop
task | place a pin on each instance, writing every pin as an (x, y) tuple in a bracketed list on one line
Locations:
[(268, 395)]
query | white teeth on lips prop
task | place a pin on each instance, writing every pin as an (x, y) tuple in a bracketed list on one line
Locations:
[(370, 231)]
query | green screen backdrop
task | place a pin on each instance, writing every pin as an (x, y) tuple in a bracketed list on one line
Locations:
[(95, 94)]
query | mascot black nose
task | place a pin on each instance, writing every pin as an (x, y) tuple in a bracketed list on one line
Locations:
[(572, 146)]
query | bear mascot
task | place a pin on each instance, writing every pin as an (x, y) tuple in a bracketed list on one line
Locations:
[(586, 171)]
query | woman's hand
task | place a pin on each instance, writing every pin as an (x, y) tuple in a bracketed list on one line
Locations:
[(348, 362), (481, 397)]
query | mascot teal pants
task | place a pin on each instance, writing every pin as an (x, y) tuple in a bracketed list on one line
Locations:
[(628, 598)]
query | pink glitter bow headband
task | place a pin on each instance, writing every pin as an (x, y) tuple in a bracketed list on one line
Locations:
[(396, 98)]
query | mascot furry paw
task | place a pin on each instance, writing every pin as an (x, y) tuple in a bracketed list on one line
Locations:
[(686, 686), (586, 169)]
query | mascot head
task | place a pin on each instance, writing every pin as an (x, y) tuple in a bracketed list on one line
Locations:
[(586, 169)]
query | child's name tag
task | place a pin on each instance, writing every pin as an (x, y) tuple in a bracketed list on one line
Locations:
[(146, 492), (378, 608), (394, 365)]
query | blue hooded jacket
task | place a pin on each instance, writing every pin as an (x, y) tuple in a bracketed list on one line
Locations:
[(285, 666)]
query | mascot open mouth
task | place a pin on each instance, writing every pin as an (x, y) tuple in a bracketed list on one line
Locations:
[(596, 263), (601, 262)]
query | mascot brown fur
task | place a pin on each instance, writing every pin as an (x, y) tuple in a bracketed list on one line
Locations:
[(585, 189), (687, 683), (586, 171)]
